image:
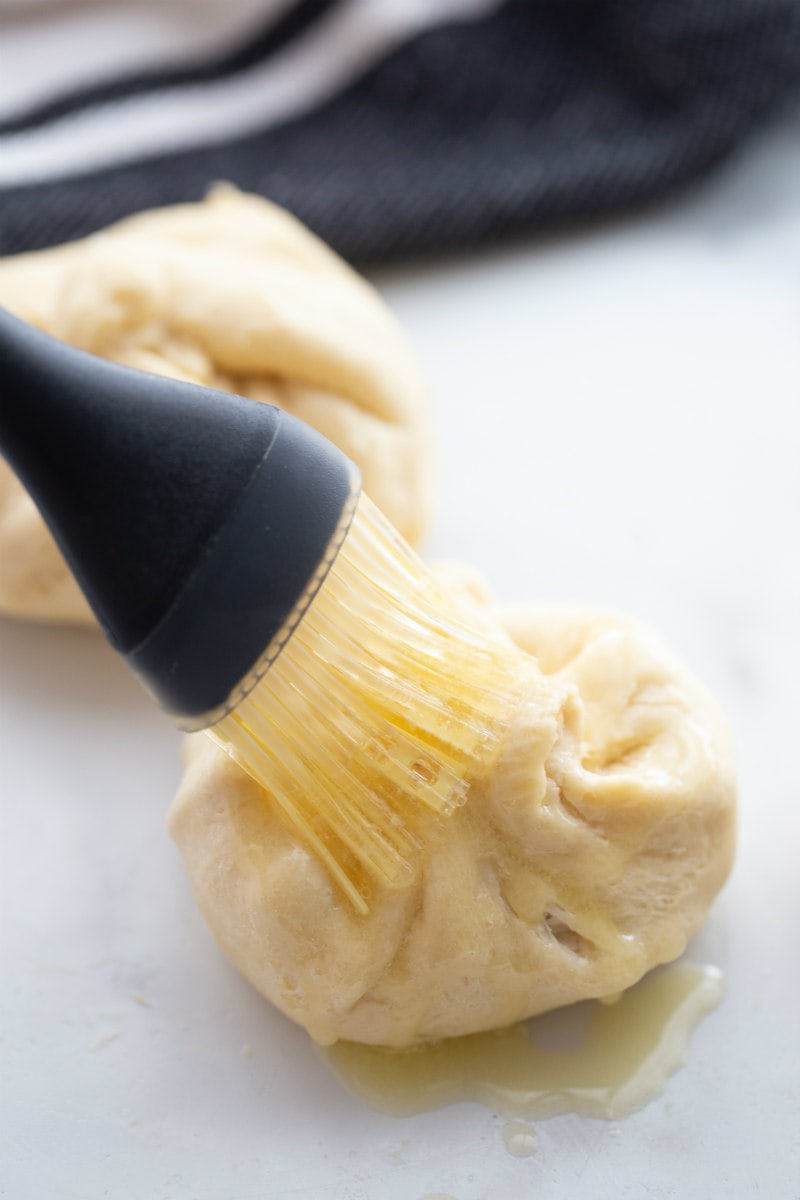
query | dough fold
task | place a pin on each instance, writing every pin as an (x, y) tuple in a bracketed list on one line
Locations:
[(235, 294), (589, 855)]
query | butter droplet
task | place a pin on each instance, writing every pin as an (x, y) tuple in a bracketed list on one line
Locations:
[(104, 1041), (520, 1139)]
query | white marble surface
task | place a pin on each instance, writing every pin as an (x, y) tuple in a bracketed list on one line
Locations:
[(619, 418)]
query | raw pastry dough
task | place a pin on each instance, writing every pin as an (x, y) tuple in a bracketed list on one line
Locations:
[(590, 855), (235, 294)]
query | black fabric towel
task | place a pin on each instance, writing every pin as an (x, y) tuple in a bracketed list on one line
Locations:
[(532, 115)]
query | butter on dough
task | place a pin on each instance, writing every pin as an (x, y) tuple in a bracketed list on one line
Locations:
[(590, 855), (232, 293)]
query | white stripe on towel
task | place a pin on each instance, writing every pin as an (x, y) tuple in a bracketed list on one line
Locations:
[(329, 55)]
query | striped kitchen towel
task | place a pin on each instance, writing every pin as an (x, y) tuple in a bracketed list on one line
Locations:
[(391, 127)]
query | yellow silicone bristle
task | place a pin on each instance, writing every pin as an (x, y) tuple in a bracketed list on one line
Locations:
[(385, 703)]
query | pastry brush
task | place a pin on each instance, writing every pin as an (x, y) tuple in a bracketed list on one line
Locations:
[(231, 559)]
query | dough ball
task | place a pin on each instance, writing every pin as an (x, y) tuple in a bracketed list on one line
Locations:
[(235, 294), (589, 855)]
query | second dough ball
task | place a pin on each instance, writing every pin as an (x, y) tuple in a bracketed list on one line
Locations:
[(232, 293)]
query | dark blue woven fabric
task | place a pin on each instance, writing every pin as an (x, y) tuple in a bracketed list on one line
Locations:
[(546, 112)]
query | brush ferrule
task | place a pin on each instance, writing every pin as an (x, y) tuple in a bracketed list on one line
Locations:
[(247, 594)]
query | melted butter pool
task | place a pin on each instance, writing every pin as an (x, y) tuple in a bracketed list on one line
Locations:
[(599, 1060)]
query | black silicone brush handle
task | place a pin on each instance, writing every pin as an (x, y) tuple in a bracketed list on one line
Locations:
[(192, 519)]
